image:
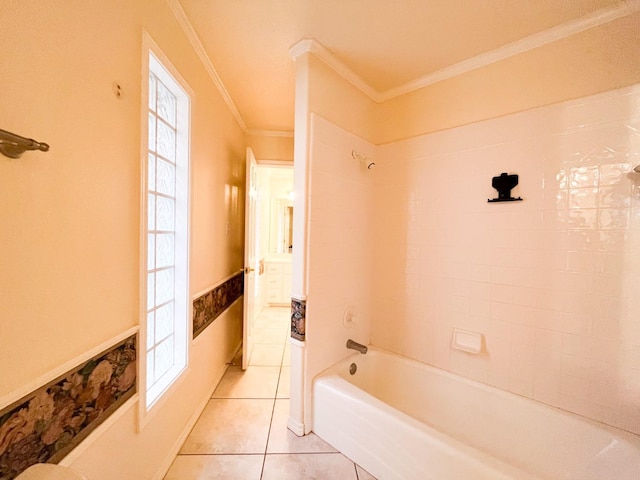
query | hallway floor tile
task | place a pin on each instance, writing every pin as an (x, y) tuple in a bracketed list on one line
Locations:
[(242, 433)]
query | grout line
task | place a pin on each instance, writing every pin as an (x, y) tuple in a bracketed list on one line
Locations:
[(266, 446), (307, 453), (270, 397), (273, 409), (274, 399), (238, 454)]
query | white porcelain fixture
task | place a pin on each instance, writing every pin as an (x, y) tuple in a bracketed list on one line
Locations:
[(47, 471), (401, 419)]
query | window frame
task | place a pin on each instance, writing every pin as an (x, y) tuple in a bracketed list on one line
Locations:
[(154, 60)]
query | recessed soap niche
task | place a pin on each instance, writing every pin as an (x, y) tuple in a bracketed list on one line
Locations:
[(467, 341)]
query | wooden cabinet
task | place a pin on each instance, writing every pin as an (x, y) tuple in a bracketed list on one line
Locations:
[(278, 283)]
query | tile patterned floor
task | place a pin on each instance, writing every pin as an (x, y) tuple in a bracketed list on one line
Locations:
[(242, 433)]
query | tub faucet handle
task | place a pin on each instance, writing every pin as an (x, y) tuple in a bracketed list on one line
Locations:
[(356, 346)]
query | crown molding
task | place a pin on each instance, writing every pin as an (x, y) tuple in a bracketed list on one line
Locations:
[(600, 17), (567, 29), (309, 45), (192, 36), (270, 133)]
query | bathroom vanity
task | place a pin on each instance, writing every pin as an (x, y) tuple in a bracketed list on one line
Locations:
[(278, 281)]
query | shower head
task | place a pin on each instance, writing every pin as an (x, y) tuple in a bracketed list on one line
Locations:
[(358, 156)]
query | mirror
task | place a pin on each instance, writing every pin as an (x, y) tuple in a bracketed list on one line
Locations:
[(281, 226), (275, 212)]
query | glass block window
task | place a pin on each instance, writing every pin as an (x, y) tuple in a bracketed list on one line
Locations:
[(166, 231)]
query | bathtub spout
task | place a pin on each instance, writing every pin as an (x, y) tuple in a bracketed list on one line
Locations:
[(356, 346)]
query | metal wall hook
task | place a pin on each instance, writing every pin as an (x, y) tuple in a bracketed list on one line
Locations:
[(13, 146)]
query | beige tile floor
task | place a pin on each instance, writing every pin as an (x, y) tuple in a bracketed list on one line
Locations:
[(242, 433)]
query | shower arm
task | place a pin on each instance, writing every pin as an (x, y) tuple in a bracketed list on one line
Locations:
[(13, 146)]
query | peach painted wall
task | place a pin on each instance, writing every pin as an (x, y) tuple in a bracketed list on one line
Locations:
[(275, 147), (550, 282), (337, 100), (71, 217), (597, 60)]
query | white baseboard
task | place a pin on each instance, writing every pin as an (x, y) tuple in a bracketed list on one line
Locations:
[(173, 453), (296, 427)]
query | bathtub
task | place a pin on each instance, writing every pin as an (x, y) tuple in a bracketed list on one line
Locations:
[(401, 419)]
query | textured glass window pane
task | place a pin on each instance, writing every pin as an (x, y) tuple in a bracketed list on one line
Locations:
[(152, 172), (151, 285), (165, 250), (152, 92), (165, 213), (151, 211), (166, 208), (166, 104), (151, 251), (164, 321), (164, 286), (152, 132), (166, 178), (166, 141), (164, 357), (150, 367), (150, 330)]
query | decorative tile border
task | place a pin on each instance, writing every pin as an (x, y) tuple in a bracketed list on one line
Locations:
[(47, 424), (298, 318), (207, 307)]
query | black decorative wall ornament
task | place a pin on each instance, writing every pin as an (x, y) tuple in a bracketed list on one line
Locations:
[(504, 183)]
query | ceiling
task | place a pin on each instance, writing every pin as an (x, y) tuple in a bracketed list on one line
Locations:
[(387, 43)]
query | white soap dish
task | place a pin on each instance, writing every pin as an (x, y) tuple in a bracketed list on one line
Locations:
[(470, 342)]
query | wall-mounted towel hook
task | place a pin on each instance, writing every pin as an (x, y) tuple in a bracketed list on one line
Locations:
[(13, 146), (504, 183)]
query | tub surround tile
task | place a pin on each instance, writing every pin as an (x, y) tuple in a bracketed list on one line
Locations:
[(256, 382), (231, 426), (562, 263), (209, 306), (47, 424)]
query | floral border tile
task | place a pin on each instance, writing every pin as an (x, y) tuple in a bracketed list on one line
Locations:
[(298, 318), (47, 424), (207, 307)]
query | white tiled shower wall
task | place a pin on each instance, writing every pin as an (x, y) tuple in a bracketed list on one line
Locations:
[(552, 282), (340, 224)]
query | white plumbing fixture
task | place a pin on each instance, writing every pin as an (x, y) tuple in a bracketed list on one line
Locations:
[(349, 318), (48, 471), (358, 156), (470, 342)]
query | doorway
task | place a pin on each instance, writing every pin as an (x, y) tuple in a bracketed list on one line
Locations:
[(271, 244)]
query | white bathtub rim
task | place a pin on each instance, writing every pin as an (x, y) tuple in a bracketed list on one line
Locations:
[(491, 467), (632, 437)]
